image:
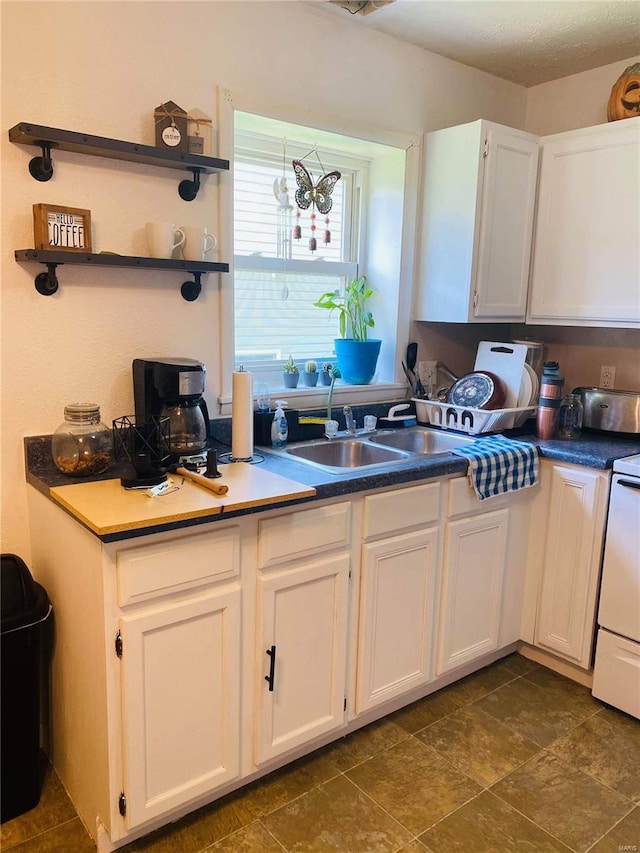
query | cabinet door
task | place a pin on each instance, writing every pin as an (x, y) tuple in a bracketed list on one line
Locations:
[(477, 223), (396, 616), (301, 656), (181, 701), (586, 264), (471, 594), (506, 224), (565, 621)]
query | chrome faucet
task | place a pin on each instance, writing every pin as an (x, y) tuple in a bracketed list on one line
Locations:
[(350, 424)]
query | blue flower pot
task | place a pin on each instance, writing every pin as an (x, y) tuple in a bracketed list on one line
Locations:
[(357, 360)]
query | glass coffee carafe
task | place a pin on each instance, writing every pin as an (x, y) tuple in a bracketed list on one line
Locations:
[(187, 426)]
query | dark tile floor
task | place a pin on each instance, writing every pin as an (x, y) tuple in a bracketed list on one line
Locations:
[(512, 758)]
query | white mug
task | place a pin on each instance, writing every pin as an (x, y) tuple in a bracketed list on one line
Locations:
[(163, 238), (198, 242)]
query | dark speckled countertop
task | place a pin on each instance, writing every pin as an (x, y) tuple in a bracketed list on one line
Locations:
[(591, 450)]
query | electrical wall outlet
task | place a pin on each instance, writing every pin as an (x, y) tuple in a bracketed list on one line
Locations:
[(427, 372), (607, 377)]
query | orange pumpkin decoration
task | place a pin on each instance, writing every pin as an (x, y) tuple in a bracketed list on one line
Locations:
[(624, 101)]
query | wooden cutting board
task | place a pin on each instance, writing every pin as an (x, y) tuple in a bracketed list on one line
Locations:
[(106, 507), (507, 362)]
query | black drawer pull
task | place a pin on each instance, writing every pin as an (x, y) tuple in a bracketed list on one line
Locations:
[(270, 679), (631, 484)]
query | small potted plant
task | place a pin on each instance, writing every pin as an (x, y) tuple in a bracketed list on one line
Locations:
[(326, 373), (311, 373), (290, 374), (357, 355)]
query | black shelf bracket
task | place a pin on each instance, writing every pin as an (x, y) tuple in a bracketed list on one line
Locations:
[(188, 190), (47, 282), (190, 290), (41, 168)]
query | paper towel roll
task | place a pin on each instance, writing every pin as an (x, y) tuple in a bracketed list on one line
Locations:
[(242, 416)]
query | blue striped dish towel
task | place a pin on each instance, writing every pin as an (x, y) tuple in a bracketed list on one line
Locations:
[(498, 465)]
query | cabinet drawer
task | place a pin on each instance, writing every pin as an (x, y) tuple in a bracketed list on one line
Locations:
[(463, 499), (303, 533), (177, 564), (411, 507)]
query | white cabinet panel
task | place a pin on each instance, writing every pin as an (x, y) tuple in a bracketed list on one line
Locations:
[(477, 222), (302, 637), (181, 701), (303, 533), (565, 622), (471, 594), (396, 616), (586, 262)]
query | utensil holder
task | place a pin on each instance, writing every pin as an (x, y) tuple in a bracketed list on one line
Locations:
[(145, 444)]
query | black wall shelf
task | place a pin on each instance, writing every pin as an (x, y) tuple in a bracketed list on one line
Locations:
[(48, 138), (46, 283)]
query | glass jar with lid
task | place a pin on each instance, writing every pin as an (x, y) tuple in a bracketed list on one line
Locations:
[(82, 445)]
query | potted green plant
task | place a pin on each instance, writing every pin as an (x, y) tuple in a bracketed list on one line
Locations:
[(358, 354), (326, 373), (290, 373), (311, 373)]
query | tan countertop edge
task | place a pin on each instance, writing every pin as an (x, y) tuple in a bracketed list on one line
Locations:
[(105, 507)]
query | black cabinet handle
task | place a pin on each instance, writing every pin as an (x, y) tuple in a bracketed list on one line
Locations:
[(270, 679)]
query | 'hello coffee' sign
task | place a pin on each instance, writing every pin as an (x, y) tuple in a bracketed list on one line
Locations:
[(66, 229)]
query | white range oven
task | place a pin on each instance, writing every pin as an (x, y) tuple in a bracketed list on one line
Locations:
[(616, 675)]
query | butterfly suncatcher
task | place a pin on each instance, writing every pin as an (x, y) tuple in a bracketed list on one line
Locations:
[(314, 196)]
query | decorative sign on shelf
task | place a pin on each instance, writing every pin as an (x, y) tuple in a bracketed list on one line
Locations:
[(65, 228), (200, 129), (171, 126)]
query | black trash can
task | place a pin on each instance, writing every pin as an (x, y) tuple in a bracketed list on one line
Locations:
[(25, 625)]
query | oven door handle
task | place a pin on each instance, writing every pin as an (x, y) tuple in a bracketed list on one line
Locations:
[(631, 484)]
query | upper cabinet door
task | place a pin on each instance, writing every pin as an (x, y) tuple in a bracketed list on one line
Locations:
[(477, 223), (506, 224), (586, 261)]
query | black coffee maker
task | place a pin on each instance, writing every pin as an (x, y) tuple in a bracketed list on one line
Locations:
[(173, 388)]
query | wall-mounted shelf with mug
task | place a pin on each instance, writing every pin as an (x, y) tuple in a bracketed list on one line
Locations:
[(46, 283)]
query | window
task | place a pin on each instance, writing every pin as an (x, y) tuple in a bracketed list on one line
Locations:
[(372, 225), (277, 278)]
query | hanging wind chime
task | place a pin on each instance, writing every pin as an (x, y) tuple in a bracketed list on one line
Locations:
[(312, 196), (284, 210)]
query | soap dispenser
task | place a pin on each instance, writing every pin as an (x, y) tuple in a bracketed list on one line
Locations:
[(279, 426)]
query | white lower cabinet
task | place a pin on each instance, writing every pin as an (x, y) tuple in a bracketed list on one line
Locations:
[(399, 563), (302, 650), (574, 510), (471, 591), (180, 701), (198, 657), (397, 591), (301, 634)]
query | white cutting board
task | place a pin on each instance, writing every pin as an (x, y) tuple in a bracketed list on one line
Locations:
[(507, 362)]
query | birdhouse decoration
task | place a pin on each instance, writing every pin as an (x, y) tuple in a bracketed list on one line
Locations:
[(624, 101), (171, 127)]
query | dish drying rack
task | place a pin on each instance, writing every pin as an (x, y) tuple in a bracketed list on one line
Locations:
[(472, 421)]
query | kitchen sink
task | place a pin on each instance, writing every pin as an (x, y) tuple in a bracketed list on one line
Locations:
[(374, 450), (420, 440), (347, 453)]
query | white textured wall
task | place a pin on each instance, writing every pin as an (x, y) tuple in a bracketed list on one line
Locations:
[(101, 67), (572, 102)]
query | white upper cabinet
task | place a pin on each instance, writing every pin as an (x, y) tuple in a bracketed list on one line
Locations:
[(586, 257), (477, 223)]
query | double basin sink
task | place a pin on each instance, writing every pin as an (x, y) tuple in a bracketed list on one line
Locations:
[(376, 449)]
